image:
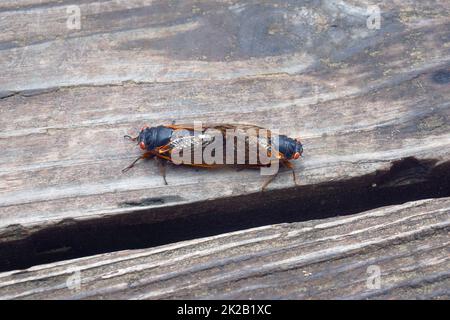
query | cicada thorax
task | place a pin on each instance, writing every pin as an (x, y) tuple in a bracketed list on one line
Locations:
[(154, 137)]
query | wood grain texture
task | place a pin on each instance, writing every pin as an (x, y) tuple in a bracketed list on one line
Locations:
[(322, 259), (359, 98)]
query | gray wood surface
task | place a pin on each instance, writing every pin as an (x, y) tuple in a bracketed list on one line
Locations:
[(359, 98), (323, 259)]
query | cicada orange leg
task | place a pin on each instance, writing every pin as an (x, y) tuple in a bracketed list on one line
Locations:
[(162, 169), (286, 164), (289, 165), (146, 155)]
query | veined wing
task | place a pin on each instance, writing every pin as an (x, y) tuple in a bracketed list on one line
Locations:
[(252, 138)]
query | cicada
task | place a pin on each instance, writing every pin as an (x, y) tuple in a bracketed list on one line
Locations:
[(235, 144)]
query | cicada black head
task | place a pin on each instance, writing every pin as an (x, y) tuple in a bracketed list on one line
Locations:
[(150, 138), (290, 148)]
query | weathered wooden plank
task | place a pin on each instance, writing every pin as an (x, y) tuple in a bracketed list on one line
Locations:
[(360, 98), (144, 41), (408, 244)]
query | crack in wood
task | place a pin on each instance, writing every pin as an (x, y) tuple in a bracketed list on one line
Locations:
[(407, 180)]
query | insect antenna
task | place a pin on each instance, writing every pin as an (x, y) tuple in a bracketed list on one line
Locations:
[(130, 137)]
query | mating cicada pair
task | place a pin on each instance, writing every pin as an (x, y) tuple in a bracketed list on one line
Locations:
[(216, 145)]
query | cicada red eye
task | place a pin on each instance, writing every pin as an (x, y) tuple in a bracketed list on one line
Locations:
[(142, 145), (296, 155), (144, 127)]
